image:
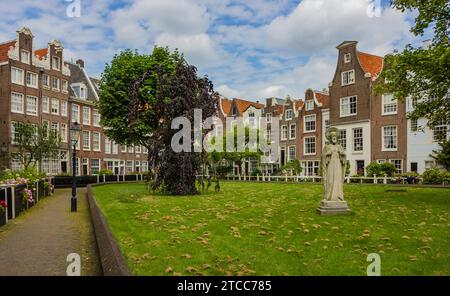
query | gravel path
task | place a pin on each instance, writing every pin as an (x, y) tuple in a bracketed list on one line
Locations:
[(38, 241)]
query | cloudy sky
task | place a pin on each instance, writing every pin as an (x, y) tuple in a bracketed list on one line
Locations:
[(249, 48)]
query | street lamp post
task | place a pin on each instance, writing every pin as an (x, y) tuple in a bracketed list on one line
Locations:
[(74, 136)]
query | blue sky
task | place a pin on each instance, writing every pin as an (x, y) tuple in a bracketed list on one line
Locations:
[(251, 49)]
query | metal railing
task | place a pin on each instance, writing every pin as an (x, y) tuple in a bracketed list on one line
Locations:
[(12, 196)]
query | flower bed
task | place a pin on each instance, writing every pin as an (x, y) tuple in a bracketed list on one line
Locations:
[(20, 191)]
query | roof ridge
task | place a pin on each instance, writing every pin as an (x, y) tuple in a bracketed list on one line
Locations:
[(6, 42), (370, 54)]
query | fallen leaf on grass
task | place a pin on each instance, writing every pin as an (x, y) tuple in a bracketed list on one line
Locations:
[(169, 270)]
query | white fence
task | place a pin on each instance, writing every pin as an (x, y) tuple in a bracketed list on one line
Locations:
[(318, 179)]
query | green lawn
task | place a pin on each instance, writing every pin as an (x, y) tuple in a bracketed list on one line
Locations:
[(273, 229)]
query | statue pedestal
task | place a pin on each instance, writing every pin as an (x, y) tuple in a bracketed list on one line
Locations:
[(334, 208)]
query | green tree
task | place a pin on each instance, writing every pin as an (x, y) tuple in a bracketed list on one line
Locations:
[(140, 96), (423, 74), (293, 166), (442, 156), (238, 157), (34, 143), (125, 69)]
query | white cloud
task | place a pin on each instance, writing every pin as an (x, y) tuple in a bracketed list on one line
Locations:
[(249, 48), (228, 92), (320, 25), (198, 49)]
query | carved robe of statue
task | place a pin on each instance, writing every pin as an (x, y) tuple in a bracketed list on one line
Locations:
[(334, 163)]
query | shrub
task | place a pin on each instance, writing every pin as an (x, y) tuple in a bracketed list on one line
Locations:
[(380, 169), (388, 169), (435, 176), (373, 169), (223, 170), (292, 167), (105, 172), (256, 172)]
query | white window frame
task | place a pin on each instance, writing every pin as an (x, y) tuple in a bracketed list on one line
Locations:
[(388, 101), (86, 120), (305, 127), (64, 86), (96, 118), (289, 153), (347, 101), (64, 132), (21, 104), (86, 148), (343, 140), (293, 125), (269, 117), (398, 170), (56, 66), (28, 56), (383, 138), (77, 118), (347, 58), (54, 110), (36, 104), (354, 139), (32, 74), (441, 126), (58, 83), (22, 76), (305, 145), (291, 114), (64, 107), (46, 100), (98, 147), (309, 105), (46, 81), (284, 127), (54, 132), (347, 75), (107, 145)]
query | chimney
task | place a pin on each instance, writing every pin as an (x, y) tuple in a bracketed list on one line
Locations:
[(80, 63)]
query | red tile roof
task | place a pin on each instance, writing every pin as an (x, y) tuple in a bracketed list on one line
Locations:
[(323, 99), (243, 105), (370, 63), (226, 106), (40, 53), (299, 104), (4, 48)]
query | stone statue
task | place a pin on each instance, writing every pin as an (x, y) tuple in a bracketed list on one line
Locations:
[(334, 162)]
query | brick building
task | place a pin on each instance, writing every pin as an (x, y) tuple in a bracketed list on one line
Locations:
[(34, 88), (39, 87)]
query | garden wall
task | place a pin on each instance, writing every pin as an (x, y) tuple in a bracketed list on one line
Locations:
[(111, 259)]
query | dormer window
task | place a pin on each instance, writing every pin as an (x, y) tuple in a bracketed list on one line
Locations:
[(288, 114), (347, 58), (56, 63), (25, 56), (309, 105), (80, 91), (234, 111)]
